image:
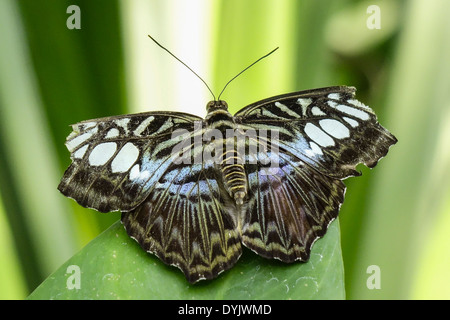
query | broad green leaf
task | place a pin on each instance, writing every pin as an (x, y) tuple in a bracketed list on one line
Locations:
[(113, 266)]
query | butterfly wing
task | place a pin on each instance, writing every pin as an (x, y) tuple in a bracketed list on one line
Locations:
[(186, 222), (117, 160), (288, 208), (317, 138), (326, 128)]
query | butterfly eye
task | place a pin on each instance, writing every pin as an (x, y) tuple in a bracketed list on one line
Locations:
[(210, 105), (223, 104)]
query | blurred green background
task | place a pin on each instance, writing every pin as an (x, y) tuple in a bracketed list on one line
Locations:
[(396, 216)]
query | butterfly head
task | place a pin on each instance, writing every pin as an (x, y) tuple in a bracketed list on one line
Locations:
[(216, 105)]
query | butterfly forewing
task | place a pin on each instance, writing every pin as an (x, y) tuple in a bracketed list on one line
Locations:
[(117, 160), (327, 128)]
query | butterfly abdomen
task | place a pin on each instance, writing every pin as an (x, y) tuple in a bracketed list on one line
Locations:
[(234, 177), (231, 161)]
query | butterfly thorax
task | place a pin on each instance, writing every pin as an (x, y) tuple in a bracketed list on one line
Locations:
[(221, 129)]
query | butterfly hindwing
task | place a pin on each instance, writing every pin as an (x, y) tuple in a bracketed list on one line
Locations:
[(327, 128), (185, 222), (116, 160), (288, 207)]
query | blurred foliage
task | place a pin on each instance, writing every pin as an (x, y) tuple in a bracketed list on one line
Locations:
[(395, 216)]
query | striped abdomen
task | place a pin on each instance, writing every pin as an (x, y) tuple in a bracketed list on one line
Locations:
[(231, 162), (233, 173)]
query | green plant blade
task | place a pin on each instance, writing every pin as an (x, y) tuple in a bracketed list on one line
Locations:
[(113, 266)]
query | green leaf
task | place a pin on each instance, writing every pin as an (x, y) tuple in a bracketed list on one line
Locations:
[(113, 266)]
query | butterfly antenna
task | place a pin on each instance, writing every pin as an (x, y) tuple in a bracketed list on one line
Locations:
[(246, 69), (161, 46)]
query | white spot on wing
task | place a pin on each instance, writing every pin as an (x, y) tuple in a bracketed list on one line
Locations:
[(80, 152), (88, 125), (352, 122), (75, 142), (144, 124), (304, 103), (349, 110), (123, 122), (134, 172), (332, 104), (353, 112), (334, 128), (102, 153), (317, 135), (112, 133), (285, 109), (126, 157), (317, 112), (266, 112), (334, 96), (315, 148)]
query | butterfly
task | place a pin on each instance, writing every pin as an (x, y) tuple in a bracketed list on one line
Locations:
[(194, 191)]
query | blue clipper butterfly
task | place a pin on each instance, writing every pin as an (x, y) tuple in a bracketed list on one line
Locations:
[(196, 214)]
